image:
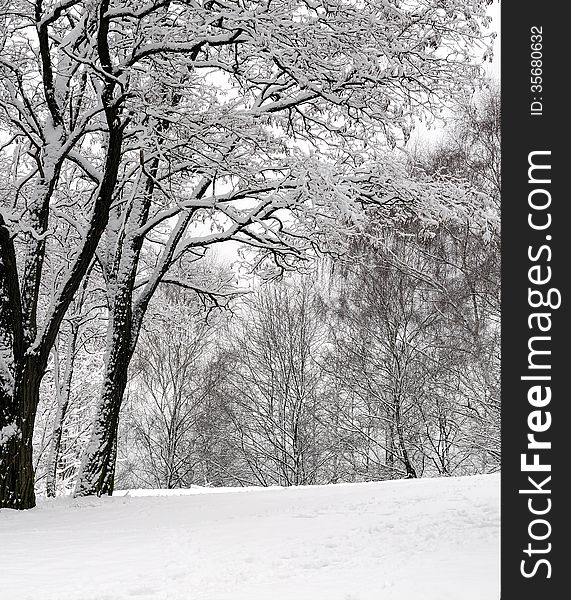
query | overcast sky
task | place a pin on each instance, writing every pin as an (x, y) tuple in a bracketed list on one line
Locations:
[(496, 27)]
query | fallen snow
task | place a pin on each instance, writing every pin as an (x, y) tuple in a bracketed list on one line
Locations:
[(431, 539)]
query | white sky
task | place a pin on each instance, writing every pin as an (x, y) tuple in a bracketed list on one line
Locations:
[(495, 12), (423, 135)]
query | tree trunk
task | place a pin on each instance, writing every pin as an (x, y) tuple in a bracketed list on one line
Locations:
[(390, 444), (16, 433), (97, 471), (55, 447), (410, 470), (63, 395)]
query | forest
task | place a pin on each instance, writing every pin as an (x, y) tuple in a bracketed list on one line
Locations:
[(227, 259)]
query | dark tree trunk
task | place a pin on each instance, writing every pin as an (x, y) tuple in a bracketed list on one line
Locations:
[(97, 472), (390, 444), (410, 470), (16, 433)]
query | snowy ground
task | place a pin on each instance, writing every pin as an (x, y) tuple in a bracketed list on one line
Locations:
[(433, 539)]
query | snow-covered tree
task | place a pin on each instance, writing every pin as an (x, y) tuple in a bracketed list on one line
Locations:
[(166, 127), (58, 98)]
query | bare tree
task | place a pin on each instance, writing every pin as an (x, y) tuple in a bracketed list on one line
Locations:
[(161, 440), (472, 151), (415, 324), (270, 384)]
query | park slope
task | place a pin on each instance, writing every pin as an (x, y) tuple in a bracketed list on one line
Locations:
[(429, 539)]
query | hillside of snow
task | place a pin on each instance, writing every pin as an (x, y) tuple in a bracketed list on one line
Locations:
[(431, 539)]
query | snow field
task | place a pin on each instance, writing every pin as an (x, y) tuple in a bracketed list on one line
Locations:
[(430, 539)]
